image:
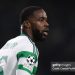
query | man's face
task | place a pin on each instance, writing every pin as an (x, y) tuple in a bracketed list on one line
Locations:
[(39, 25)]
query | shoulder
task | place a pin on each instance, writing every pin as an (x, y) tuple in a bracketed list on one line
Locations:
[(18, 39), (21, 41)]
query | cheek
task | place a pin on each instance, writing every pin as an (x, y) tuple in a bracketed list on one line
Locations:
[(39, 26)]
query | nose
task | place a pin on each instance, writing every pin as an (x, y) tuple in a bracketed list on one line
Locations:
[(46, 24)]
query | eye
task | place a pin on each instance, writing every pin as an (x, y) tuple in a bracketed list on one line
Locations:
[(41, 19)]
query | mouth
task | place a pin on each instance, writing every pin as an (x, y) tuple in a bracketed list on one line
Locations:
[(45, 33)]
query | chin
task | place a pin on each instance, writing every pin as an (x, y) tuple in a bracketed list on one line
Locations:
[(41, 39)]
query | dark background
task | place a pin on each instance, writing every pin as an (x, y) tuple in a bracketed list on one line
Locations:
[(60, 45)]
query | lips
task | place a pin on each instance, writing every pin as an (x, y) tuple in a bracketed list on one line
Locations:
[(45, 32)]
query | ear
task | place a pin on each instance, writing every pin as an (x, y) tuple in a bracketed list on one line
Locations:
[(26, 24)]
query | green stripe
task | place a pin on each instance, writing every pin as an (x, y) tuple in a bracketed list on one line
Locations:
[(26, 54), (1, 73), (34, 70), (23, 68), (35, 50)]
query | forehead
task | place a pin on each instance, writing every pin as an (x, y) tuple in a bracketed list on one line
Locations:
[(40, 13)]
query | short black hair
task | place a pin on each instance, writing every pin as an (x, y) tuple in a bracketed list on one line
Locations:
[(27, 12)]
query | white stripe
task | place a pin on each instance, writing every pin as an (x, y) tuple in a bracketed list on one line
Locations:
[(22, 72)]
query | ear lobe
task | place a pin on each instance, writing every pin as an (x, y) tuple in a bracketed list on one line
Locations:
[(26, 24)]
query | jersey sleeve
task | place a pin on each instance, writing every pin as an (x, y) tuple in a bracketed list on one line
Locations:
[(27, 63)]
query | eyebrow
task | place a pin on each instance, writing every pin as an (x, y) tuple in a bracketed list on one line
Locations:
[(43, 18)]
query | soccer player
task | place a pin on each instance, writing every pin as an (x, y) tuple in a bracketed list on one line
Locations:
[(19, 56)]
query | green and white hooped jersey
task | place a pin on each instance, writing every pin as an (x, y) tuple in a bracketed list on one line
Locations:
[(19, 56)]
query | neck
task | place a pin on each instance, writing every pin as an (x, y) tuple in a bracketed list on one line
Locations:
[(28, 33)]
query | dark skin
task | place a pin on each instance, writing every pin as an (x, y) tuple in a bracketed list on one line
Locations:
[(37, 26)]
